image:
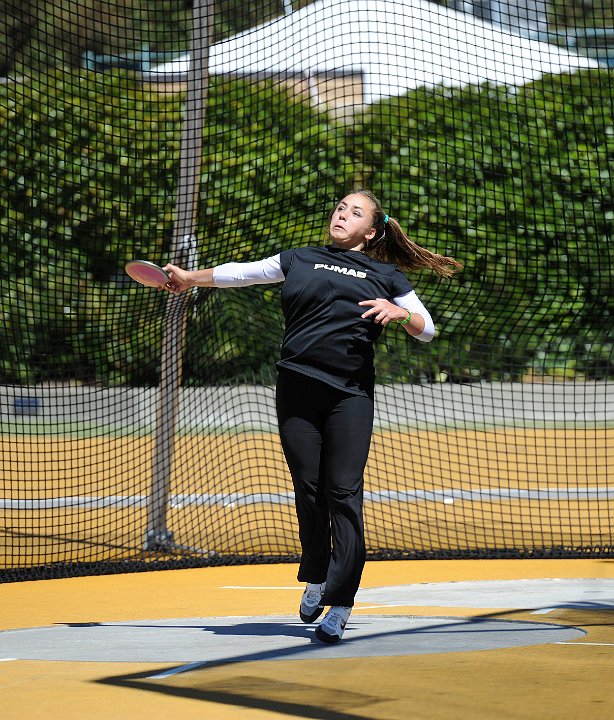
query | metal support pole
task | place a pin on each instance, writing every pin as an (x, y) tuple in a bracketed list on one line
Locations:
[(183, 253)]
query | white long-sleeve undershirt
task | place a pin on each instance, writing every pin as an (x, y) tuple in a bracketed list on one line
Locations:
[(268, 270)]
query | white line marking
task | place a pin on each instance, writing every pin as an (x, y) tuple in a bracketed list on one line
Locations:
[(177, 670), (584, 643), (476, 494), (7, 659)]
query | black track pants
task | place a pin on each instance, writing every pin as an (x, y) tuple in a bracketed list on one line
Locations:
[(325, 434)]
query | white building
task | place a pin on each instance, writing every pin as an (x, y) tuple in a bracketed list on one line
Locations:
[(393, 46)]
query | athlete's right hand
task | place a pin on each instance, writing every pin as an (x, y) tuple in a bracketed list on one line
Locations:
[(179, 279)]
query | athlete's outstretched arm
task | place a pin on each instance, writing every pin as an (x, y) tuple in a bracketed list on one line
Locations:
[(231, 274)]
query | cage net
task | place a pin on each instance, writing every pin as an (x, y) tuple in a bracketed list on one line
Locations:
[(139, 430)]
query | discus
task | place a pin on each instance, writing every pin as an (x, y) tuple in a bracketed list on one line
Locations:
[(147, 273)]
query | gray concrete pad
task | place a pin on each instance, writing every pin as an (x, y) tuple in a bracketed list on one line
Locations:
[(533, 594), (242, 639), (246, 407)]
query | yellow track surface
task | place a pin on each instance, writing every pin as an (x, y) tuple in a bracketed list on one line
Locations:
[(558, 681)]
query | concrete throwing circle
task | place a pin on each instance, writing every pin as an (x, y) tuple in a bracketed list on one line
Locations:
[(539, 593), (243, 639)]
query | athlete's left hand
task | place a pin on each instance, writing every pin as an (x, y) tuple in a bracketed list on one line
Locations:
[(382, 311)]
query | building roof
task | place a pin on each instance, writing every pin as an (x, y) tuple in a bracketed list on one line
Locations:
[(397, 45)]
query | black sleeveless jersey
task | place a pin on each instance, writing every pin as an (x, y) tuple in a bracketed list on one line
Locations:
[(325, 336)]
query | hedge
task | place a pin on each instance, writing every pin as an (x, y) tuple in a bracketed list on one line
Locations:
[(517, 183), (514, 182), (89, 166)]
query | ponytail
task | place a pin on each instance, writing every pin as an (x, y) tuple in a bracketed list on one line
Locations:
[(392, 244)]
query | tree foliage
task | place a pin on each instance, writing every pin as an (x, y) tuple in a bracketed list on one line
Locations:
[(39, 33), (516, 183), (563, 14), (88, 170)]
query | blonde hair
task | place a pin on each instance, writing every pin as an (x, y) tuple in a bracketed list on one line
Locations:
[(392, 244)]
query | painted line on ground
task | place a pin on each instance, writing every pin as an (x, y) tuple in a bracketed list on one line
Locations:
[(177, 670), (579, 642), (287, 498)]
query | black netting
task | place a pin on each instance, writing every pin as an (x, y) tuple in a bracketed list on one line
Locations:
[(139, 431)]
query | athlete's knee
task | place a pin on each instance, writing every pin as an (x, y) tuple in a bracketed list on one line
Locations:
[(347, 500)]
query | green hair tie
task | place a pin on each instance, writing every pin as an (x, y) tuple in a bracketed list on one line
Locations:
[(386, 218)]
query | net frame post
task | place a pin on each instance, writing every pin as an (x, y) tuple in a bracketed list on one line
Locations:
[(184, 253)]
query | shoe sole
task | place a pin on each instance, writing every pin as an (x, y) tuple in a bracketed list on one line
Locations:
[(314, 615), (325, 637)]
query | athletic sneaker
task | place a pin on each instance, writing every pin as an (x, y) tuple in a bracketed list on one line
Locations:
[(311, 607), (330, 630)]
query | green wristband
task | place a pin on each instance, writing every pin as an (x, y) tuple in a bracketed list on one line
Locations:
[(407, 319)]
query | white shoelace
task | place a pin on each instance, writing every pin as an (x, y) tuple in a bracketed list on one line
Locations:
[(313, 594)]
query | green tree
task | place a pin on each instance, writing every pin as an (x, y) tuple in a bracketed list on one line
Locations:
[(580, 13), (514, 182), (35, 34), (88, 166), (18, 20), (517, 184)]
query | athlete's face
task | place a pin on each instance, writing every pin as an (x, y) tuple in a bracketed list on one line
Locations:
[(351, 225)]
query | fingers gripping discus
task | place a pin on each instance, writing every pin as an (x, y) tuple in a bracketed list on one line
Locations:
[(147, 273)]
